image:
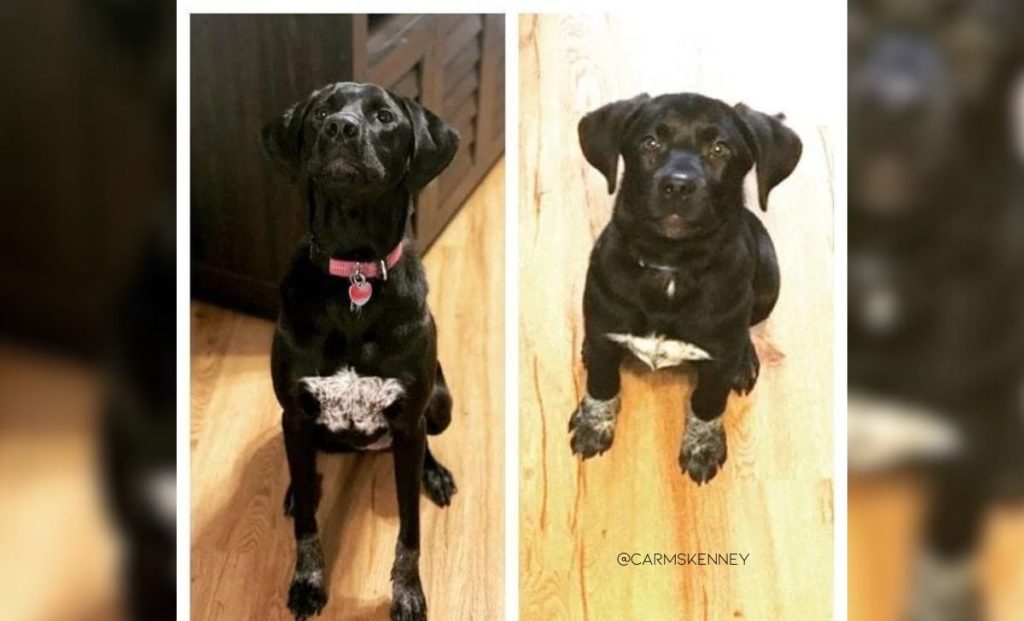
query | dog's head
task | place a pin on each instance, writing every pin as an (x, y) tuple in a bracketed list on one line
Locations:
[(926, 77), (685, 159), (359, 139)]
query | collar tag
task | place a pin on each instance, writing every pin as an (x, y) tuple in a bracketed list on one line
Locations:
[(359, 291)]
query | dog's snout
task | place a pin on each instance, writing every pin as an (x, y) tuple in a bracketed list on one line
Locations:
[(678, 183), (345, 127)]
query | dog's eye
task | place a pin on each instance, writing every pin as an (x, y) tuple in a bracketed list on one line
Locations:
[(321, 114), (650, 143), (385, 116), (720, 149)]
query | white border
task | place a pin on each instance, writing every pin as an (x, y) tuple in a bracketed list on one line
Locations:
[(511, 586), (840, 582)]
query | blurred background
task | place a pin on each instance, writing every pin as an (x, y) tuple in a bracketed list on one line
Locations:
[(87, 128), (936, 310)]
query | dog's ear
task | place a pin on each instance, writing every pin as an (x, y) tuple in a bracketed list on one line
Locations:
[(434, 144), (601, 132), (776, 149), (281, 138)]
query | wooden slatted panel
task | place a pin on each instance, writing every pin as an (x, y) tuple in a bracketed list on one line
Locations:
[(459, 167), (464, 63), (407, 86), (467, 134), (460, 39), (466, 89), (388, 33)]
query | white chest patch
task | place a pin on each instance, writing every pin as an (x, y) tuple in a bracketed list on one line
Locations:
[(353, 404), (659, 352), (884, 433)]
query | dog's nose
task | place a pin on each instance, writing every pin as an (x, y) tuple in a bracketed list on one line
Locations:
[(344, 127), (678, 184)]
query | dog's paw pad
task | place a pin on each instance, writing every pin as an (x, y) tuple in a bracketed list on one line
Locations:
[(439, 485), (408, 603), (592, 426), (704, 449), (591, 441), (306, 595)]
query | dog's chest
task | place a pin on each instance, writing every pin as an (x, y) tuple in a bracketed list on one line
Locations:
[(352, 407), (663, 288), (662, 296), (660, 352)]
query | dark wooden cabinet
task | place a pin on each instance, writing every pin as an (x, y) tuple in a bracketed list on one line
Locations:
[(245, 69)]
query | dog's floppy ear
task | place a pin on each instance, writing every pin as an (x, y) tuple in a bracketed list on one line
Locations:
[(281, 138), (434, 144), (776, 148), (601, 135)]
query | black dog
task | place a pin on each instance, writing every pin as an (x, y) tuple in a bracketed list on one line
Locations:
[(683, 269), (355, 350)]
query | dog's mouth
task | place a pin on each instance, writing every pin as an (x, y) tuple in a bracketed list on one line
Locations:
[(342, 169), (673, 226)]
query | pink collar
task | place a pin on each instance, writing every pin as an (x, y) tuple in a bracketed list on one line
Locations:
[(372, 269)]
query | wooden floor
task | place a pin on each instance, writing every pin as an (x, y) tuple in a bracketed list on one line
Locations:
[(885, 516), (60, 545), (773, 500), (242, 545)]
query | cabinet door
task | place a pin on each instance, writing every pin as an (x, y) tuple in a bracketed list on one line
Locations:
[(246, 218)]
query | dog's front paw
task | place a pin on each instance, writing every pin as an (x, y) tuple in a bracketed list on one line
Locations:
[(945, 589), (439, 484), (407, 601), (747, 372), (592, 426), (704, 449), (306, 595)]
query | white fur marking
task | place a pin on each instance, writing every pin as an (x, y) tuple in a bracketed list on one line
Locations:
[(884, 433), (944, 589), (659, 352), (350, 403), (671, 289)]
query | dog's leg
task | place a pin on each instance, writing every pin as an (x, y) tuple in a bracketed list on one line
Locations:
[(438, 482), (747, 371), (704, 448), (407, 600), (289, 497), (592, 424), (439, 408), (946, 580), (307, 593)]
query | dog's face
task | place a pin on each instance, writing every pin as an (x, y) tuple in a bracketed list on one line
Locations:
[(920, 71), (359, 139), (685, 159)]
